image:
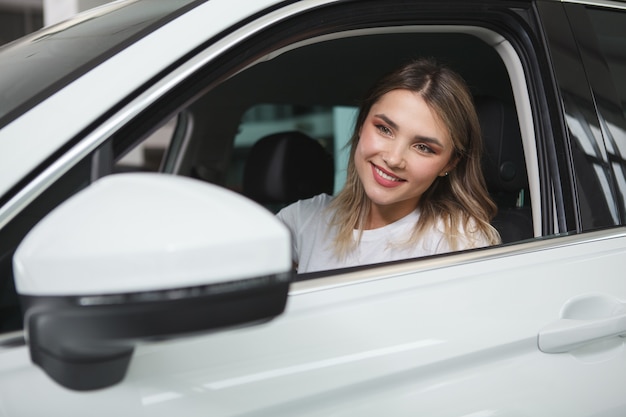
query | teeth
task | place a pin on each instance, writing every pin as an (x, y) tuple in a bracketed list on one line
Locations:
[(386, 176)]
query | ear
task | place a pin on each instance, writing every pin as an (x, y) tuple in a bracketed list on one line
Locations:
[(451, 165)]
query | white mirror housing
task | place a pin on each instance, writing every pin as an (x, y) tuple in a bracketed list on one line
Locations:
[(143, 232), (143, 256)]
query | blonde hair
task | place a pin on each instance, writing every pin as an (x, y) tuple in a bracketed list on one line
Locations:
[(459, 200)]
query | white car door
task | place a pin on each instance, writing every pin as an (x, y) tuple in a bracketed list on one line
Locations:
[(454, 336)]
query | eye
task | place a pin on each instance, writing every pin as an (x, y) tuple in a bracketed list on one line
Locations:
[(424, 148), (384, 130)]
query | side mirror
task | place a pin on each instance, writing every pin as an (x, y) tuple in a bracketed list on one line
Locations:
[(141, 257)]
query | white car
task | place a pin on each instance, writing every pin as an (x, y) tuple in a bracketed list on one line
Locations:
[(142, 272)]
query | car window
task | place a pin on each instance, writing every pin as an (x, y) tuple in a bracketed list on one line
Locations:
[(609, 27), (299, 103), (150, 155)]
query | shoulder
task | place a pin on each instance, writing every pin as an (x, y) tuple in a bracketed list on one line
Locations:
[(312, 204), (466, 235), (475, 236), (302, 210)]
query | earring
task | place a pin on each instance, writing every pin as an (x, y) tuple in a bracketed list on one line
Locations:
[(445, 174)]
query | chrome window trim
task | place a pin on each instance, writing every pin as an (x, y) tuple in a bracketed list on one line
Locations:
[(419, 265), (599, 3)]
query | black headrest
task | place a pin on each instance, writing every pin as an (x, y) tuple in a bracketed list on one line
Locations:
[(286, 167), (504, 165)]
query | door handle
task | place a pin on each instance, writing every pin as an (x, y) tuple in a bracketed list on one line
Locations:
[(584, 320), (567, 334)]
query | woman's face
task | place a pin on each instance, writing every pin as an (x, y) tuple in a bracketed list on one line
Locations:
[(403, 148)]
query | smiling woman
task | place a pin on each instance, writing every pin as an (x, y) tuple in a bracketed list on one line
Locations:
[(414, 184)]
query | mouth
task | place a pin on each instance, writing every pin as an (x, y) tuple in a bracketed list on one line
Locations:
[(385, 178)]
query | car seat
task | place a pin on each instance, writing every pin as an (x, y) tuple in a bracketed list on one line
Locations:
[(285, 167), (504, 168)]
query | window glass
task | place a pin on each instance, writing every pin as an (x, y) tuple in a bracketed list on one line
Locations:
[(149, 155), (37, 65), (610, 29)]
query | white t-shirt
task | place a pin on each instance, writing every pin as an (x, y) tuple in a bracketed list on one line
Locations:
[(312, 239)]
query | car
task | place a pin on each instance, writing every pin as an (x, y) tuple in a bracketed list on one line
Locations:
[(142, 269)]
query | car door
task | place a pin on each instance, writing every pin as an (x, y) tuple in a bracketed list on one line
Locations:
[(529, 328), (405, 338)]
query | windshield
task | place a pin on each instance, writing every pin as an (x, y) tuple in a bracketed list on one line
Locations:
[(34, 67)]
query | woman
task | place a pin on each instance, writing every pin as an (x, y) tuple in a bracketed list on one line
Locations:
[(414, 183)]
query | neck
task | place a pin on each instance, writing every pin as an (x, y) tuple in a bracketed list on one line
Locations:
[(383, 215)]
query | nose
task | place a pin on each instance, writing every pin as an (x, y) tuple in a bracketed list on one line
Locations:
[(393, 155)]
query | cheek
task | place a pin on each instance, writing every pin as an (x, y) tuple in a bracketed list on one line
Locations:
[(366, 145), (422, 166), (362, 156), (359, 155)]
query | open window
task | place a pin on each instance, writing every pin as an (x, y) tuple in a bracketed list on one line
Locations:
[(287, 89)]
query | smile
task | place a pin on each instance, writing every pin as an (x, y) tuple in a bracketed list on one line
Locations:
[(385, 175), (385, 178)]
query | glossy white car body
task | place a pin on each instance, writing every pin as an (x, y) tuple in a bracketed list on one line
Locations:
[(531, 328), (405, 340)]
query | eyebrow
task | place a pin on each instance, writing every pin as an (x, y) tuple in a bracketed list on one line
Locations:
[(394, 126)]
